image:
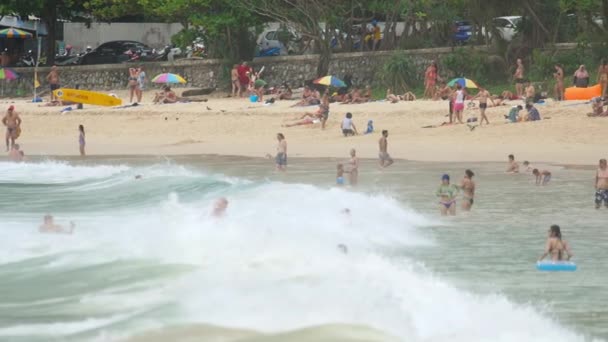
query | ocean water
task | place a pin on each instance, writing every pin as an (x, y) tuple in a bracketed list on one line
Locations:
[(148, 263)]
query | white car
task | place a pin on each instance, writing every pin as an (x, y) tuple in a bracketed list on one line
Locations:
[(507, 26), (269, 39)]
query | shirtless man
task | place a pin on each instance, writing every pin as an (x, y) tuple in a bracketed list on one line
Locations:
[(219, 208), (602, 77), (53, 79), (281, 157), (468, 190), (12, 121), (234, 77), (49, 226), (385, 158), (519, 78), (542, 177), (483, 97), (559, 82), (601, 185), (513, 166), (530, 92)]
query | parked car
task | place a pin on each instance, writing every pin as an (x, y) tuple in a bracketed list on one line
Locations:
[(269, 41), (462, 31), (116, 52), (507, 26)]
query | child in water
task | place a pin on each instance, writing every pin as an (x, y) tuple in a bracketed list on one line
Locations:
[(340, 174), (542, 177)]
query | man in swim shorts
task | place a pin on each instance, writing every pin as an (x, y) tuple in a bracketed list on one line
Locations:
[(542, 177), (281, 157), (483, 97), (385, 158), (12, 121), (53, 79), (601, 185), (519, 78)]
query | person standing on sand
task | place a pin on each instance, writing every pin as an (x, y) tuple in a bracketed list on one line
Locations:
[(447, 196), (53, 79), (281, 157), (141, 83), (458, 104), (559, 82), (243, 71), (353, 172), (12, 121), (518, 76), (602, 77), (234, 77), (385, 158), (468, 188), (483, 97), (81, 140), (530, 93), (430, 80), (581, 77), (513, 166), (601, 185), (132, 81)]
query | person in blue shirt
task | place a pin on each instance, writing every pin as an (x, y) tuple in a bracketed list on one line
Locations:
[(533, 114), (514, 114)]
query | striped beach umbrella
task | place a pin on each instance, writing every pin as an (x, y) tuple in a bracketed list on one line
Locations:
[(8, 74), (168, 78), (464, 82), (14, 33), (331, 81)]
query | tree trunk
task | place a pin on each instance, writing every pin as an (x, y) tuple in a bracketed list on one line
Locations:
[(50, 14), (605, 13), (324, 57)]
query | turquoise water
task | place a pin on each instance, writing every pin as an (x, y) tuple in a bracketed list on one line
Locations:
[(147, 257)]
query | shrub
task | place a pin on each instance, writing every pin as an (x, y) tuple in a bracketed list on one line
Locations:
[(476, 65), (399, 72)]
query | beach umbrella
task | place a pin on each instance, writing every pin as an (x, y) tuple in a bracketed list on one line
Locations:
[(464, 82), (14, 33), (168, 78), (331, 81), (8, 74)]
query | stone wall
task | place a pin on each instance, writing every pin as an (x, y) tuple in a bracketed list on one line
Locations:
[(363, 66)]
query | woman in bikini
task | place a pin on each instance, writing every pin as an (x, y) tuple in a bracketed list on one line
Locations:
[(602, 77), (468, 189), (555, 246), (447, 196), (133, 84), (430, 79)]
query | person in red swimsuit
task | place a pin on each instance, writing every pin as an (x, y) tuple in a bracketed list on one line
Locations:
[(243, 71)]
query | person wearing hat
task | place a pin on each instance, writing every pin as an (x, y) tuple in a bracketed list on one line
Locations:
[(447, 196), (12, 121)]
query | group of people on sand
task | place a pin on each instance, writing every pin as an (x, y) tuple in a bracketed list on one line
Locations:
[(245, 80)]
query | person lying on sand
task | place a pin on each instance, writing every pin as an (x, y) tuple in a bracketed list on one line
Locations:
[(57, 103), (305, 120), (49, 226), (367, 95), (408, 96), (353, 97), (390, 97), (285, 93), (497, 100), (597, 105), (507, 95), (310, 97)]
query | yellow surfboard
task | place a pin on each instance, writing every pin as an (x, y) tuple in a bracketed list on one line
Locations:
[(88, 97)]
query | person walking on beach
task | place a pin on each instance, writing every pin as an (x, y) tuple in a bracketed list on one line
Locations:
[(458, 104), (468, 190), (483, 97), (353, 171), (81, 140), (513, 166), (542, 177), (555, 246), (12, 121), (234, 77), (559, 82), (53, 79), (281, 157), (141, 83), (601, 185), (385, 158), (519, 78), (430, 80), (602, 77), (447, 196)]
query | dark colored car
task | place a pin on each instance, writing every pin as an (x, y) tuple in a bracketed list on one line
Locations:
[(116, 52), (462, 31)]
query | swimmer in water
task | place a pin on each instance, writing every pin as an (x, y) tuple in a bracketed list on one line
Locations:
[(447, 193), (219, 209), (340, 174), (527, 167), (556, 247), (513, 166), (343, 248), (468, 190), (542, 177), (354, 167), (49, 226)]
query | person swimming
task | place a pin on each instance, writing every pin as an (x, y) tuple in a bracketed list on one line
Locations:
[(219, 208), (555, 246), (447, 193), (49, 226)]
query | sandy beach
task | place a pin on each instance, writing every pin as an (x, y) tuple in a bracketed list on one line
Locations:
[(229, 126)]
